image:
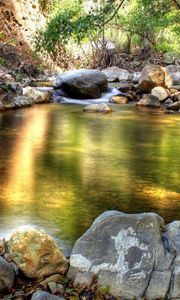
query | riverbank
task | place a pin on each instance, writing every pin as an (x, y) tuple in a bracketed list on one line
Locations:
[(155, 87), (120, 255)]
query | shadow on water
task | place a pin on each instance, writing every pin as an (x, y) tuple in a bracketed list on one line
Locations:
[(60, 167)]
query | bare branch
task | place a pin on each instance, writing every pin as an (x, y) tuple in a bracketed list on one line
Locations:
[(133, 32), (115, 12)]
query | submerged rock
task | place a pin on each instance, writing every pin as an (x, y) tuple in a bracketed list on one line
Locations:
[(82, 84), (154, 75), (126, 253), (149, 101), (36, 253), (7, 274), (100, 108)]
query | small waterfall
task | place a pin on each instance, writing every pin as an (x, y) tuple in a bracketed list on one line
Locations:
[(104, 98)]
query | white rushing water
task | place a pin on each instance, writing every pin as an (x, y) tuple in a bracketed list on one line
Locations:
[(104, 98)]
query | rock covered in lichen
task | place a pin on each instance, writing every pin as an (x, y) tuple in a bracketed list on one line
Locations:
[(36, 253), (125, 252), (153, 76)]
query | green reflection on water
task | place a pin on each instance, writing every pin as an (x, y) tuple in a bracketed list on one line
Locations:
[(60, 167)]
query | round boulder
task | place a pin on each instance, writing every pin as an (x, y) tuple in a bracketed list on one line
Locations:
[(36, 253), (82, 84), (154, 75), (160, 92), (6, 274)]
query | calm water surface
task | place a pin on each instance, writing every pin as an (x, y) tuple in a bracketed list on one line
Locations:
[(60, 168)]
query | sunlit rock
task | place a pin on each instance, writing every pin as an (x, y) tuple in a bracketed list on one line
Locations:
[(122, 251), (149, 101), (119, 99), (36, 253), (36, 95), (160, 92), (22, 101), (99, 108), (7, 274), (154, 75), (82, 84)]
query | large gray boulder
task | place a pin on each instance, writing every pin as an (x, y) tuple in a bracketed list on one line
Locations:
[(125, 252), (82, 84), (7, 274), (172, 238)]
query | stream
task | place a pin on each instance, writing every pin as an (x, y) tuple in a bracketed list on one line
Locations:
[(61, 167)]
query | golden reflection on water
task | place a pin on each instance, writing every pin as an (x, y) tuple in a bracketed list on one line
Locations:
[(29, 142)]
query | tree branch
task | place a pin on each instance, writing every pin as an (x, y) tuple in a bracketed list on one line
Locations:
[(115, 13), (133, 32)]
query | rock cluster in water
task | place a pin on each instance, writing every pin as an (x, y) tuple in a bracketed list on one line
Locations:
[(155, 86), (124, 256)]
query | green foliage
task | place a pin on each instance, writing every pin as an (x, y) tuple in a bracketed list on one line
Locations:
[(104, 290), (137, 22), (150, 19), (2, 61), (41, 68), (1, 35), (70, 21)]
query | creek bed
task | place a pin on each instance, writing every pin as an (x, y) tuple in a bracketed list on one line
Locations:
[(61, 168)]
